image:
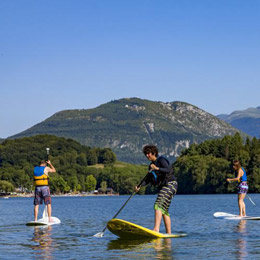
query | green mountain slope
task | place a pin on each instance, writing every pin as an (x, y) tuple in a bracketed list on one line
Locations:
[(247, 120), (126, 125)]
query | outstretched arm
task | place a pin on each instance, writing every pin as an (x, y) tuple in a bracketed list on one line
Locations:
[(50, 168)]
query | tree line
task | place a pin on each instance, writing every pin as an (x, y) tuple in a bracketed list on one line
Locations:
[(203, 168), (79, 168)]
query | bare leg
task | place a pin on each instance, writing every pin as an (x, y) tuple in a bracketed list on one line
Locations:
[(157, 220), (167, 223), (49, 211), (36, 209), (244, 207), (241, 205)]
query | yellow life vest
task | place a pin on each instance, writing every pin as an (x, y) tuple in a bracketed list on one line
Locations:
[(40, 178)]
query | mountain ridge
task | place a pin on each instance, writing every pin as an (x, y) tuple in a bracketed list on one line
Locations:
[(125, 125), (247, 120)]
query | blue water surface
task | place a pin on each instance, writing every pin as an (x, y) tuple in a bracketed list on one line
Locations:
[(82, 217)]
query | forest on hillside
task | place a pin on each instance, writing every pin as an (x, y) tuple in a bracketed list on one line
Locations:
[(79, 168), (201, 169)]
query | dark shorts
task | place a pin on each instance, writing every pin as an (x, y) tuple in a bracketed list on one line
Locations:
[(242, 188), (165, 196), (42, 193)]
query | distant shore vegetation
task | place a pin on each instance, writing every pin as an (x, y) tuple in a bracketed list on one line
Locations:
[(79, 168), (201, 169)]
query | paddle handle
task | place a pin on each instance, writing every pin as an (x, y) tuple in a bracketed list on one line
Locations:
[(48, 152)]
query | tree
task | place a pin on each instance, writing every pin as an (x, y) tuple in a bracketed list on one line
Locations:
[(6, 186), (58, 184), (103, 186), (106, 156), (73, 183), (92, 157), (82, 159), (91, 183)]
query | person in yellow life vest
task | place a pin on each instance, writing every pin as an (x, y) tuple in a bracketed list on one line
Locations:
[(42, 189)]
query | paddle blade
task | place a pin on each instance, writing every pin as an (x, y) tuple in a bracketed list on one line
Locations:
[(45, 213), (251, 200), (100, 234)]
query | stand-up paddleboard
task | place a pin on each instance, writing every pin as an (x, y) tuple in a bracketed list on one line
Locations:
[(44, 221), (227, 216), (125, 229)]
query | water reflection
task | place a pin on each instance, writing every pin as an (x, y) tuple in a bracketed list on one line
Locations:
[(42, 237), (241, 241), (124, 244), (162, 248)]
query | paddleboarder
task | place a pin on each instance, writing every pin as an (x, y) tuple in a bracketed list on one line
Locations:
[(242, 187), (161, 176), (42, 189)]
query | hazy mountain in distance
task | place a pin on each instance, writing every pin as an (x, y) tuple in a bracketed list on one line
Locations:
[(247, 120)]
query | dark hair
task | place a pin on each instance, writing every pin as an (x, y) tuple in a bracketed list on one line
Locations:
[(150, 149), (237, 164), (42, 162)]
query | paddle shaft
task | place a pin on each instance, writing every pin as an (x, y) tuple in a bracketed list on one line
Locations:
[(127, 200)]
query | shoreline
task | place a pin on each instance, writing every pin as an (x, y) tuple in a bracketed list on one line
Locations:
[(31, 195)]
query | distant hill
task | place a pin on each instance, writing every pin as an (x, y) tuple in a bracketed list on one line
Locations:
[(247, 120), (1, 140), (126, 125)]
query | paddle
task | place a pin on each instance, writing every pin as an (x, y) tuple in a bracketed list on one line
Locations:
[(48, 152), (101, 234), (251, 200)]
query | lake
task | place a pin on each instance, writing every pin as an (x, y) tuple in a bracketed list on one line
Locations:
[(82, 217)]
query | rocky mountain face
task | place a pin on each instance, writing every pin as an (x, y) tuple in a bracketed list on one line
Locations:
[(126, 125), (247, 120)]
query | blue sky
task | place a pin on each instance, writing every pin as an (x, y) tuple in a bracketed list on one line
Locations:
[(67, 54)]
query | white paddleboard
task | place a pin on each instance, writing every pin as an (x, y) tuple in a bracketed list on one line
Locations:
[(44, 221), (228, 216)]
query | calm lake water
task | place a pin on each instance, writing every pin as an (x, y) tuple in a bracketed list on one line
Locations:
[(82, 217)]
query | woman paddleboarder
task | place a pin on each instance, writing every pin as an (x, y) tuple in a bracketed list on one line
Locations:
[(161, 176), (242, 187)]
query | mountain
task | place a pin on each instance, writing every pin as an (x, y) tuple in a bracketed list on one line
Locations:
[(247, 120), (1, 140), (126, 125)]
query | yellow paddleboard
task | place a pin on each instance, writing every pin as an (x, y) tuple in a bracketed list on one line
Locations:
[(127, 229)]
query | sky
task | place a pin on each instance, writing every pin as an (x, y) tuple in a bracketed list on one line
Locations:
[(65, 54)]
